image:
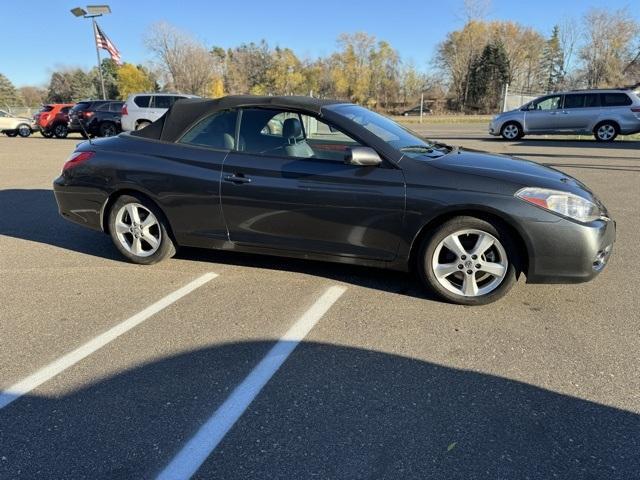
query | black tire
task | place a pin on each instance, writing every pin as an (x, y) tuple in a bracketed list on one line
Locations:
[(11, 133), (108, 129), (46, 134), (142, 125), (24, 130), (507, 131), (166, 247), (428, 249), (606, 131), (60, 130)]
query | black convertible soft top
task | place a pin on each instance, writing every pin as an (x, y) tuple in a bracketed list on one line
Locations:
[(184, 113)]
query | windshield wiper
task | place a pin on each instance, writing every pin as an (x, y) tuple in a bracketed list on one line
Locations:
[(417, 148)]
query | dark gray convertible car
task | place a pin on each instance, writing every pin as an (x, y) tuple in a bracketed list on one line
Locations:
[(319, 179)]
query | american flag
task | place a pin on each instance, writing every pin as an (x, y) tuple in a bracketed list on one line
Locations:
[(103, 42)]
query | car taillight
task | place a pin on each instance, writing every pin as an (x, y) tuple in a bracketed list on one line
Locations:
[(76, 159), (124, 110), (87, 114), (636, 110)]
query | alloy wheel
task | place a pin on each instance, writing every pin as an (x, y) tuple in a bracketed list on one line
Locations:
[(24, 130), (138, 230), (511, 132), (470, 263), (606, 132)]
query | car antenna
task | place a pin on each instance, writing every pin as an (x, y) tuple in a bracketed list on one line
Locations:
[(84, 130)]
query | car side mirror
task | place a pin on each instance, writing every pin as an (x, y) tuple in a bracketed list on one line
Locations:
[(363, 157)]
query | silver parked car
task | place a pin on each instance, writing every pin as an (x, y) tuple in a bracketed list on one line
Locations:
[(605, 113), (141, 109)]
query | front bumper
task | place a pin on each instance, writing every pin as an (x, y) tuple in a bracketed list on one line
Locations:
[(569, 252), (494, 129)]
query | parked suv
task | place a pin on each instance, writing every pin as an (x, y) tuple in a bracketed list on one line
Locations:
[(100, 118), (11, 125), (52, 120), (141, 109), (605, 113)]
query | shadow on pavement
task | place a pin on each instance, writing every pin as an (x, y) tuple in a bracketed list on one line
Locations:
[(330, 412), (33, 215)]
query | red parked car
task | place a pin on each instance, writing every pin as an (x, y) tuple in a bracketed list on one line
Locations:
[(52, 120)]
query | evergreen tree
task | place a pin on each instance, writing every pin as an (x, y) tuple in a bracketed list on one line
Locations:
[(553, 62), (110, 74), (9, 96), (489, 74)]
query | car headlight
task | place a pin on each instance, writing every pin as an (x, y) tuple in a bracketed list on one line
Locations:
[(563, 203)]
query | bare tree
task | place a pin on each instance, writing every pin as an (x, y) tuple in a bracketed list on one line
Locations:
[(609, 38), (186, 63), (570, 33)]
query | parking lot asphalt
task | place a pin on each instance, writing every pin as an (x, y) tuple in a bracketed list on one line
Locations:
[(388, 382)]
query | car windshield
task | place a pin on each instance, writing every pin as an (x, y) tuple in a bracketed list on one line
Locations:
[(394, 134)]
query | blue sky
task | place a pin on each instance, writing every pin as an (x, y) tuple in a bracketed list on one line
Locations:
[(45, 35)]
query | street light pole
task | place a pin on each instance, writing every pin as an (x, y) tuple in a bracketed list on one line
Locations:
[(92, 12)]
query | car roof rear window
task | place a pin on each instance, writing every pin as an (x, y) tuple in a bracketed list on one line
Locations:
[(47, 108), (615, 99)]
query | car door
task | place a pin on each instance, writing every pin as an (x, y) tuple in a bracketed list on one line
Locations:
[(295, 193), (570, 118), (542, 115)]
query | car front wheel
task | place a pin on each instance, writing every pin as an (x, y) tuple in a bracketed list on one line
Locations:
[(139, 231), (468, 261), (511, 131)]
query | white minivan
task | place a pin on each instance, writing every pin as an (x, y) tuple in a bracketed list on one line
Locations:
[(141, 109)]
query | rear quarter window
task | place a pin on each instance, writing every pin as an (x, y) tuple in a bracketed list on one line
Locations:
[(615, 99), (162, 101), (142, 101)]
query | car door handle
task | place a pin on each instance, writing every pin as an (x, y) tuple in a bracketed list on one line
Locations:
[(237, 178)]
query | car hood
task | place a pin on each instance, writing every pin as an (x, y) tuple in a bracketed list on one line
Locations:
[(517, 171)]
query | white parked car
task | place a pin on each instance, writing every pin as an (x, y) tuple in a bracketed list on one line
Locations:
[(141, 109), (12, 126)]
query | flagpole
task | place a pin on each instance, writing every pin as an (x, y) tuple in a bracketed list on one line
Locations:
[(95, 39)]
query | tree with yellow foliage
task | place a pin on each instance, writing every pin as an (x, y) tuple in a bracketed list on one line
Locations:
[(133, 79)]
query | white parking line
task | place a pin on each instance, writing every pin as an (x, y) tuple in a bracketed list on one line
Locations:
[(57, 366), (207, 438)]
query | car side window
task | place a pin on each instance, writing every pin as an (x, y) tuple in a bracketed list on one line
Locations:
[(142, 101), (2, 114), (161, 101), (615, 100), (574, 101), (592, 100), (215, 131), (116, 107), (291, 134), (547, 103)]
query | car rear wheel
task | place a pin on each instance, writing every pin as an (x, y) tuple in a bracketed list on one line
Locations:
[(468, 261), (61, 130), (108, 129), (24, 130), (11, 133), (606, 132), (139, 231), (511, 131), (142, 125)]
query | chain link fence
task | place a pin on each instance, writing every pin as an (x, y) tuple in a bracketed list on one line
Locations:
[(26, 112), (513, 100)]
